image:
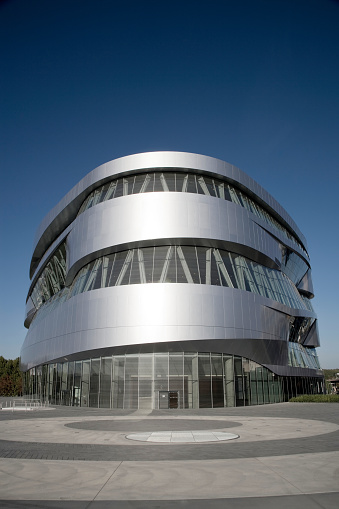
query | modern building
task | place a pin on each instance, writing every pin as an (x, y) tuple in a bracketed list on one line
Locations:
[(169, 280)]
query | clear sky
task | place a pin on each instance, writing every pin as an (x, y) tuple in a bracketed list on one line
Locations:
[(252, 82)]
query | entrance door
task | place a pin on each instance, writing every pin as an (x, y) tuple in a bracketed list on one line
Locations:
[(173, 399), (163, 400), (168, 399), (76, 396)]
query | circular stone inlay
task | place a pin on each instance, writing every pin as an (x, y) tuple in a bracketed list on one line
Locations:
[(191, 437)]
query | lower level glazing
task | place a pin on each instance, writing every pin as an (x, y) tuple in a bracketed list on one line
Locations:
[(164, 380)]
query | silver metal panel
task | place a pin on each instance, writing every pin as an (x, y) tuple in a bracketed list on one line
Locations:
[(313, 336), (153, 313), (152, 218), (64, 212), (306, 285), (130, 221)]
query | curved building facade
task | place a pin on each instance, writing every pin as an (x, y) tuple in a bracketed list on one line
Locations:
[(169, 280)]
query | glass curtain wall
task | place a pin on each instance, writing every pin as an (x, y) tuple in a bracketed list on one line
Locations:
[(52, 278), (182, 380), (184, 264)]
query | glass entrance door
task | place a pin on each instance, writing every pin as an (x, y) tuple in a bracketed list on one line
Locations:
[(168, 399), (173, 399), (163, 400)]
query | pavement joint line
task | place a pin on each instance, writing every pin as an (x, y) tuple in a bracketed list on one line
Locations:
[(110, 477), (282, 476)]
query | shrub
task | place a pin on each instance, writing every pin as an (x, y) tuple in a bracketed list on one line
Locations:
[(316, 398)]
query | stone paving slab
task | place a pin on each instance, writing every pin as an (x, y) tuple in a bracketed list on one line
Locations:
[(249, 429), (289, 457), (168, 480), (154, 452)]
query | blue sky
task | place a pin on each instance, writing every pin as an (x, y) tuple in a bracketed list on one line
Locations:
[(254, 83)]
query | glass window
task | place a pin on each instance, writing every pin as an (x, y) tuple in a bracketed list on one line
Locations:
[(190, 257), (217, 381), (52, 278), (117, 264), (169, 178), (205, 396), (105, 382), (181, 182), (176, 364), (94, 383), (85, 383), (161, 365), (138, 182), (174, 264), (161, 254), (119, 190), (118, 381), (136, 265), (131, 381), (158, 182)]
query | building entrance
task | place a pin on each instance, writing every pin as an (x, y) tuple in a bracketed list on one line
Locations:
[(168, 399)]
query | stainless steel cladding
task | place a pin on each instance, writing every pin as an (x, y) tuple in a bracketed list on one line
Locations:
[(169, 254)]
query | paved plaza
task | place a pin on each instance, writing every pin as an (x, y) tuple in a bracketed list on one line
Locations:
[(281, 455)]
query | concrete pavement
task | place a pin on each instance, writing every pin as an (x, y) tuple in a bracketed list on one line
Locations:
[(286, 454)]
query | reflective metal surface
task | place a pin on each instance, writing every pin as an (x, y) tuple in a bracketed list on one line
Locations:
[(66, 210), (198, 317)]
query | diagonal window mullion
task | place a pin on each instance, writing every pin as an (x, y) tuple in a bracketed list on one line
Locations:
[(125, 186), (78, 285), (240, 272), (93, 274), (234, 195), (221, 268), (165, 268), (203, 185), (124, 268), (52, 278), (184, 184), (221, 189), (142, 270), (105, 262), (46, 283), (110, 191), (215, 188), (235, 273), (250, 279), (96, 197), (208, 266), (184, 265), (110, 277), (267, 287), (145, 183), (60, 269), (163, 182)]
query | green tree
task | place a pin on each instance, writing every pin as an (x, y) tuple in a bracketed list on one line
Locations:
[(10, 377)]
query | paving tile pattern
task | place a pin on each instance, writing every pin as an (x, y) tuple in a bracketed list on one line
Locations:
[(295, 472)]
